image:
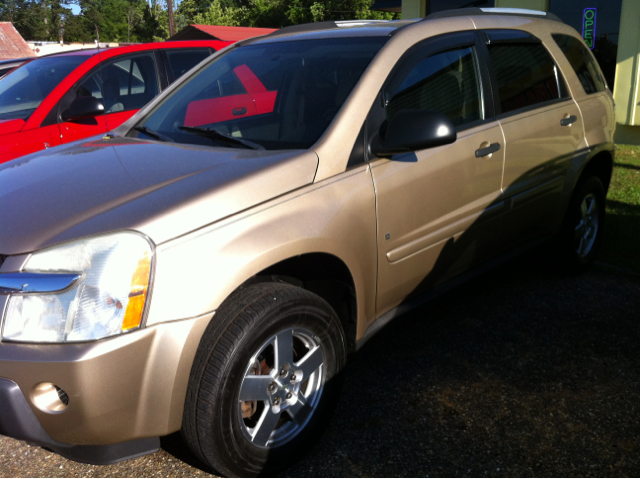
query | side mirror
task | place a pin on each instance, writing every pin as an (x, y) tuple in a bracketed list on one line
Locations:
[(82, 108), (411, 130)]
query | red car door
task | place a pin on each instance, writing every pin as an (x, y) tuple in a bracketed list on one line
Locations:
[(124, 85)]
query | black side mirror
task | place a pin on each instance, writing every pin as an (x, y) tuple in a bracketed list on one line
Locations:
[(411, 130), (82, 108)]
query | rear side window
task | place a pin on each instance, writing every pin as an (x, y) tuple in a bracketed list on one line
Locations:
[(182, 60), (525, 73), (446, 82), (582, 62)]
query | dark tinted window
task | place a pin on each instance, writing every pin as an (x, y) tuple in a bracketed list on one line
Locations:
[(526, 74), (22, 90), (582, 62), (122, 84), (446, 82), (182, 60)]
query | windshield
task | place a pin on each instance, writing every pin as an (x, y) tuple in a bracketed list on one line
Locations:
[(273, 96), (22, 90)]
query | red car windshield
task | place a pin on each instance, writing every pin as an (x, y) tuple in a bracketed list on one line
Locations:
[(268, 95), (22, 90)]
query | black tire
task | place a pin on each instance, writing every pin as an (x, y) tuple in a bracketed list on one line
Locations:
[(213, 427), (576, 257)]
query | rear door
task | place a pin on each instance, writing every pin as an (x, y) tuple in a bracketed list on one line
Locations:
[(439, 208), (596, 103), (542, 127)]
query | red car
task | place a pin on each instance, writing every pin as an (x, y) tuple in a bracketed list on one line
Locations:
[(69, 96)]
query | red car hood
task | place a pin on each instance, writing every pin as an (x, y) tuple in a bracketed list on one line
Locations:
[(10, 126)]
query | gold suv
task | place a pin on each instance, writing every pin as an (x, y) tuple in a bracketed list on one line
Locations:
[(208, 265)]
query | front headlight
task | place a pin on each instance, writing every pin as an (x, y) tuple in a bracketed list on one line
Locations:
[(107, 300)]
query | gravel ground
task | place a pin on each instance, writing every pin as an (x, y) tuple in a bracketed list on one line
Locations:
[(519, 373)]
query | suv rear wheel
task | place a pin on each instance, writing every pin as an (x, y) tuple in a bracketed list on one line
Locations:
[(265, 379), (583, 225)]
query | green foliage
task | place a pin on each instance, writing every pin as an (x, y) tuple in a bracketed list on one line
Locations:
[(622, 228), (279, 13), (145, 21)]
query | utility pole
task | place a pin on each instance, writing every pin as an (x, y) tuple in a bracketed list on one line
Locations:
[(61, 32), (172, 28)]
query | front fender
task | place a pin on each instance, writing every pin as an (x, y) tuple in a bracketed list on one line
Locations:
[(195, 273)]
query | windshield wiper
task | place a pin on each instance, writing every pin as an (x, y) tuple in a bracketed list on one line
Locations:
[(221, 137), (152, 133)]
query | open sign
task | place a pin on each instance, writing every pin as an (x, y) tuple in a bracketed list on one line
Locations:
[(589, 26)]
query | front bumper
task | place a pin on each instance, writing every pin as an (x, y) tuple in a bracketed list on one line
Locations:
[(120, 389), (17, 420)]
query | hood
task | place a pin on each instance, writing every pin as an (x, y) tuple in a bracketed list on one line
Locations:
[(11, 126), (163, 190)]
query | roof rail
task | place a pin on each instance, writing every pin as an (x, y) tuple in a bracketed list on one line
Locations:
[(516, 12), (327, 25)]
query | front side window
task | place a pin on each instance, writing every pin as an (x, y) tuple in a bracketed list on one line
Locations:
[(446, 82), (122, 84), (525, 73), (583, 63), (280, 95), (22, 90)]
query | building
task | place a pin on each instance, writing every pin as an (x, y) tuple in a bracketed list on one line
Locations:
[(48, 48), (610, 27), (216, 32), (12, 45)]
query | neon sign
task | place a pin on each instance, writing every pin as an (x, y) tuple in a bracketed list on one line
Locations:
[(589, 26)]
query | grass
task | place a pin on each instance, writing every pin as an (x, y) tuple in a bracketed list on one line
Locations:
[(622, 234)]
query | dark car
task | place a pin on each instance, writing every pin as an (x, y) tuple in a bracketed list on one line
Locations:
[(7, 65)]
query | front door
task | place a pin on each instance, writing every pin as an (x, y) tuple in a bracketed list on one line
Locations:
[(124, 85), (438, 209)]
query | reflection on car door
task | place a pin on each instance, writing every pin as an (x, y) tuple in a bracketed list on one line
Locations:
[(438, 209), (542, 127), (237, 94)]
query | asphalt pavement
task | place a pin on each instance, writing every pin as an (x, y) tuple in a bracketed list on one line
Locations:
[(522, 372)]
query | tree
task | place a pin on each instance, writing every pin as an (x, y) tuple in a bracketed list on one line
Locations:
[(148, 20), (281, 13)]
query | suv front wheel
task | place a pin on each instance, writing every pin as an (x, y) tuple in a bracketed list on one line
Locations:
[(265, 379)]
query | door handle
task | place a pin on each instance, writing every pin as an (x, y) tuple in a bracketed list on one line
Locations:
[(487, 150), (239, 111), (569, 120)]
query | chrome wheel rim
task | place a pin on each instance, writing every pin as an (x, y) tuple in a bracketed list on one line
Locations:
[(587, 229), (281, 388)]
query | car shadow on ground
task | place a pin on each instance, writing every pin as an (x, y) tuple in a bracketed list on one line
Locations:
[(519, 372)]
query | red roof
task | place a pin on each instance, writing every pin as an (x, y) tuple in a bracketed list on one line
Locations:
[(230, 34), (12, 45)]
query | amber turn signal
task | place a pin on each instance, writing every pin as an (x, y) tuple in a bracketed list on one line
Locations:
[(137, 294)]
